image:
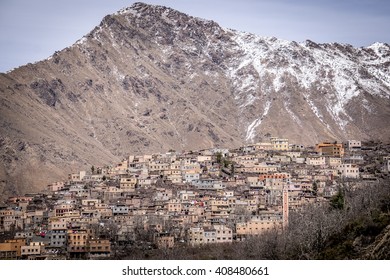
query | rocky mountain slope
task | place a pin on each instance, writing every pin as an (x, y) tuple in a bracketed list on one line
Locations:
[(150, 78)]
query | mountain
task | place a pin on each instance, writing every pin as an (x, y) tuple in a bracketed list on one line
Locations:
[(149, 79)]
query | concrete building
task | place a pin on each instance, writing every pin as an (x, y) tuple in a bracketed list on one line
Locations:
[(196, 236), (165, 241), (257, 225), (330, 149), (280, 144), (58, 228), (77, 242), (352, 145), (99, 248), (348, 170), (33, 249), (11, 249), (223, 234)]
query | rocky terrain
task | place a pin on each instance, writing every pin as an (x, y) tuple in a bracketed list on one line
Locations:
[(150, 78)]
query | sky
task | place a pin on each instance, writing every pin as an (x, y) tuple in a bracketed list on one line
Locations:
[(32, 30)]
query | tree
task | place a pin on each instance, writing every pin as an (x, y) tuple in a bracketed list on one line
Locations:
[(315, 188), (337, 201), (225, 163), (92, 169), (232, 169), (219, 157)]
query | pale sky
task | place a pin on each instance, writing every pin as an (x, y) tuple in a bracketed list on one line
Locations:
[(32, 30)]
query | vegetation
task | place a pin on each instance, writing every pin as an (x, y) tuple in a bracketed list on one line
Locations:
[(337, 201), (218, 157)]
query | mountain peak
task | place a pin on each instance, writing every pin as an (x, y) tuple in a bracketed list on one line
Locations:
[(139, 8), (150, 78), (153, 12)]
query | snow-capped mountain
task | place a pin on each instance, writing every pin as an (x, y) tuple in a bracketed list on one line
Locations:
[(149, 79)]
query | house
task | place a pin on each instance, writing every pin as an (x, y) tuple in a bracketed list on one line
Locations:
[(33, 249), (258, 225), (128, 184), (99, 248), (219, 207), (280, 144), (7, 219), (174, 206), (121, 167), (297, 147), (333, 161), (120, 209), (348, 170), (254, 181), (58, 228), (352, 145), (56, 186), (191, 176), (223, 234), (174, 176), (207, 184), (316, 161), (78, 190), (78, 242), (204, 159), (330, 149), (162, 194), (196, 236), (292, 154), (165, 241), (263, 147), (209, 235), (28, 235), (63, 208), (259, 168), (187, 195), (11, 249), (77, 177)]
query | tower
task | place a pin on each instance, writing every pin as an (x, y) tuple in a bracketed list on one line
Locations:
[(285, 207)]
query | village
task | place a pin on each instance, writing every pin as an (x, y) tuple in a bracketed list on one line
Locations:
[(187, 198)]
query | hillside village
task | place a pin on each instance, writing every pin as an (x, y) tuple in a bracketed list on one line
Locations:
[(183, 198)]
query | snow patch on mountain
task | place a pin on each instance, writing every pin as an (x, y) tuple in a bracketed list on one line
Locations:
[(249, 100), (250, 132), (292, 115)]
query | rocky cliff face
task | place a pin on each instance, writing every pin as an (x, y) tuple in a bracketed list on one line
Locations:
[(150, 78)]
